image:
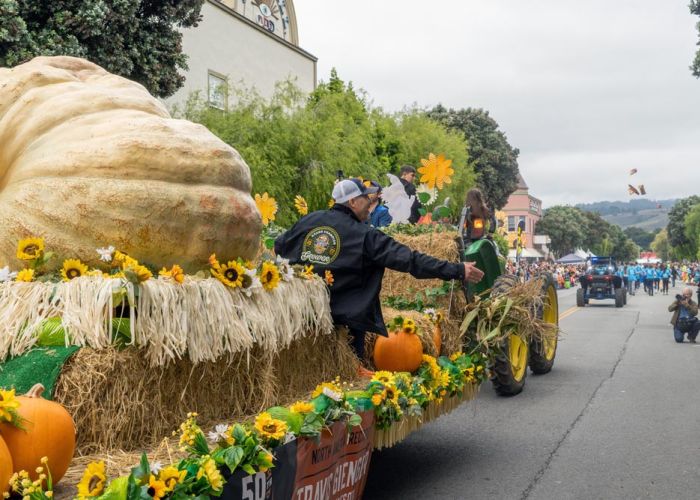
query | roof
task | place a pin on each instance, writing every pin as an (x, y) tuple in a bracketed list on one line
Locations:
[(521, 182)]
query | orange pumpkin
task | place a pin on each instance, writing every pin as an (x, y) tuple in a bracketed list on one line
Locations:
[(437, 338), (5, 467), (48, 431), (401, 351)]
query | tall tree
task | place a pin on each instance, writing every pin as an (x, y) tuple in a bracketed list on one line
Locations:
[(641, 237), (661, 246), (695, 9), (566, 227), (137, 39), (682, 246), (495, 160)]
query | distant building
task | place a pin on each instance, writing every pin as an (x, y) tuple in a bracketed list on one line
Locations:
[(250, 42), (522, 206)]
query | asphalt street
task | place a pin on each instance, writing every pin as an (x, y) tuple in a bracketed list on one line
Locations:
[(618, 417)]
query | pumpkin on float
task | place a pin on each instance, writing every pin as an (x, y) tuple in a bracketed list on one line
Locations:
[(437, 337), (47, 431), (401, 351), (5, 467)]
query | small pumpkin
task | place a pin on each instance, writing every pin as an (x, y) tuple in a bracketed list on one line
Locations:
[(48, 431), (437, 337), (401, 351), (5, 467)]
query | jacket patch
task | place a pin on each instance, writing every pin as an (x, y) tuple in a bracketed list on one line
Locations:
[(321, 245)]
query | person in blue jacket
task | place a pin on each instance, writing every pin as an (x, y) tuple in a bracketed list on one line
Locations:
[(657, 277), (631, 278), (379, 214), (641, 273), (665, 277), (649, 281)]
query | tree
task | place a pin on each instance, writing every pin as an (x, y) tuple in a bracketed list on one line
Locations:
[(137, 39), (661, 246), (565, 226), (641, 237), (495, 160), (682, 247), (695, 9), (692, 230)]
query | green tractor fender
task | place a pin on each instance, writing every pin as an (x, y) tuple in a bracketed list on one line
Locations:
[(484, 254)]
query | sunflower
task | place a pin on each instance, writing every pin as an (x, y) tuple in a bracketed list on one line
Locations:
[(409, 326), (211, 473), (269, 276), (124, 260), (378, 398), (30, 248), (175, 273), (156, 488), (392, 393), (431, 192), (436, 170), (301, 205), (171, 477), (25, 275), (383, 376), (302, 407), (331, 202), (267, 206), (93, 482), (8, 405), (73, 268), (328, 277), (324, 387), (142, 273), (270, 429), (230, 274)]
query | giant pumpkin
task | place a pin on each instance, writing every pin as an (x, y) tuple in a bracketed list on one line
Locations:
[(5, 467), (91, 159)]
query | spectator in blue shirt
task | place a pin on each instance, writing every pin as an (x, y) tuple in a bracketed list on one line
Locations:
[(665, 276), (379, 214), (631, 278)]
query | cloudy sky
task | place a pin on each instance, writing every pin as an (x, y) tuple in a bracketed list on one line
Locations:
[(585, 89)]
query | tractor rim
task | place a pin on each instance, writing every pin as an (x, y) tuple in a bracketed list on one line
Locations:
[(517, 352), (550, 315)]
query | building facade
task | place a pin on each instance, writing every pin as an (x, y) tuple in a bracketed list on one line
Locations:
[(522, 206), (244, 43)]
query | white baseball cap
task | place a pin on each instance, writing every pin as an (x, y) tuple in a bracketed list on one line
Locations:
[(347, 189)]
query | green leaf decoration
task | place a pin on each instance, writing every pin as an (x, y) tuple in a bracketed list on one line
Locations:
[(117, 489), (441, 212), (293, 420), (233, 457), (424, 197), (51, 333), (422, 211)]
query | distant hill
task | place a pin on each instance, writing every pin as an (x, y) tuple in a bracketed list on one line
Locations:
[(644, 214)]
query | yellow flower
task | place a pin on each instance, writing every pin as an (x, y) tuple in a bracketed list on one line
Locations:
[(124, 260), (230, 274), (383, 376), (392, 394), (30, 248), (325, 385), (93, 482), (189, 430), (409, 326), (331, 202), (208, 469), (171, 477), (73, 268), (302, 407), (436, 170), (269, 276), (301, 205), (25, 275), (270, 428), (267, 206), (175, 273), (329, 278), (142, 273), (213, 262), (455, 355), (308, 272), (378, 398), (8, 402), (156, 488)]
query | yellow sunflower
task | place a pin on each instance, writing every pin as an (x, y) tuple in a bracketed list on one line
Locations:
[(8, 402), (73, 268), (331, 202), (30, 248), (267, 206), (301, 205), (156, 488), (230, 274), (93, 482), (208, 469), (175, 273), (171, 477), (25, 275), (392, 393), (269, 276), (436, 170), (142, 273), (302, 407), (383, 376), (326, 385), (409, 326), (270, 428), (378, 398), (328, 277)]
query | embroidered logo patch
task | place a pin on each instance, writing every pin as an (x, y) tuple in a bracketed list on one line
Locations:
[(321, 245)]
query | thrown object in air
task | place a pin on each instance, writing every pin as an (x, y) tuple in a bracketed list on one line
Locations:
[(91, 159), (641, 189), (631, 189), (633, 171)]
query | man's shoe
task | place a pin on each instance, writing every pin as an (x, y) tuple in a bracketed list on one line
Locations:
[(692, 341), (363, 372)]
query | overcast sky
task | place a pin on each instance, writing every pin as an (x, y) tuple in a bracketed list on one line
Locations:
[(586, 90)]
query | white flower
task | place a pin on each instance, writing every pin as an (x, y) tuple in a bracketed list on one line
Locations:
[(286, 270), (423, 188), (255, 283), (429, 312), (106, 253), (335, 396), (6, 275), (218, 434), (156, 467)]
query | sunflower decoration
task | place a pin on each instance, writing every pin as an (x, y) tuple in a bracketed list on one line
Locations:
[(170, 476), (436, 171), (308, 272), (175, 274), (331, 202), (269, 275), (384, 377), (208, 470), (328, 277), (302, 407), (156, 488), (328, 389), (73, 268), (267, 206), (138, 273), (230, 274), (93, 482), (301, 205), (391, 394), (432, 194), (30, 248), (25, 275), (408, 326), (8, 407), (270, 429)]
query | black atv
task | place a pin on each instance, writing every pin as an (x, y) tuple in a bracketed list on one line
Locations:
[(601, 282)]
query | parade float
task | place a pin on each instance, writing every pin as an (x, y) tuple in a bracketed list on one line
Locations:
[(136, 292)]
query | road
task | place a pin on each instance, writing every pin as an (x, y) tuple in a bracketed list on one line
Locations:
[(618, 417)]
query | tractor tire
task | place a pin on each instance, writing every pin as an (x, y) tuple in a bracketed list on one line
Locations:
[(509, 370), (580, 300), (619, 298), (543, 352)]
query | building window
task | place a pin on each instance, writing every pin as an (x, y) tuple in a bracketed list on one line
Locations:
[(511, 223), (217, 95), (523, 219)]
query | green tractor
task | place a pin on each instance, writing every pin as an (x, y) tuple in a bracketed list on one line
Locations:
[(510, 366)]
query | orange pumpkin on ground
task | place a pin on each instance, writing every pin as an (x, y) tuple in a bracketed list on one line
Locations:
[(401, 351), (5, 467), (48, 431)]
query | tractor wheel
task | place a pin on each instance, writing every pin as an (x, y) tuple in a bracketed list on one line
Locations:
[(542, 352), (580, 300), (510, 366), (619, 298)]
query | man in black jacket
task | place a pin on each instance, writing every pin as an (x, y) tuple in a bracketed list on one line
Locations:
[(357, 254), (408, 175)]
